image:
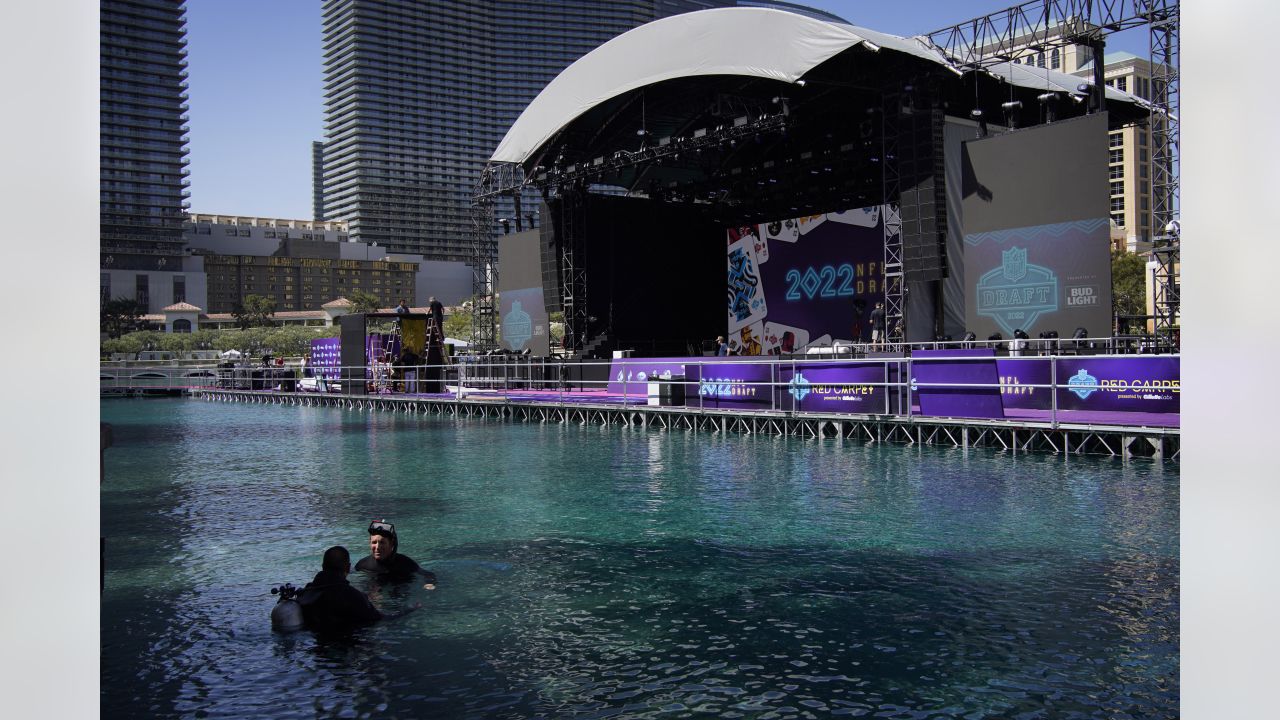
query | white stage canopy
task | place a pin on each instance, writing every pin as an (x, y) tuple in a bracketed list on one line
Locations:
[(757, 42)]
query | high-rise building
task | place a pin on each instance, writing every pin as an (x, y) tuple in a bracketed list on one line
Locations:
[(143, 144), (418, 93), (317, 180)]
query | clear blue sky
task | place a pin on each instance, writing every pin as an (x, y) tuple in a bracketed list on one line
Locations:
[(256, 92)]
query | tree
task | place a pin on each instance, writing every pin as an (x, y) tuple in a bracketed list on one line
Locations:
[(556, 322), (120, 316), (457, 324), (1128, 283), (255, 311), (364, 302)]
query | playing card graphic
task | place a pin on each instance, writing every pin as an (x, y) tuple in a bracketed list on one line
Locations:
[(823, 341), (737, 233), (862, 217), (782, 230), (810, 222), (782, 339), (761, 245), (746, 341), (746, 300)]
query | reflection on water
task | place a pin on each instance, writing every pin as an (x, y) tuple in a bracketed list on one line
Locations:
[(616, 572)]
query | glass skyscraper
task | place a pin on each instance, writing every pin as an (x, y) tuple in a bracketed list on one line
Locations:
[(418, 93), (143, 135)]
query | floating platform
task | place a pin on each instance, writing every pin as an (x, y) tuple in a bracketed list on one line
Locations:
[(1120, 435)]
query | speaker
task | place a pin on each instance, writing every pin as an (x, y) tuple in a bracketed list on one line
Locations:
[(922, 196), (549, 256)]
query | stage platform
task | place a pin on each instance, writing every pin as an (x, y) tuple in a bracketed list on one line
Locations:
[(1065, 433)]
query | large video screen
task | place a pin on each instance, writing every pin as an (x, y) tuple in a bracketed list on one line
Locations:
[(520, 306), (1036, 230), (806, 282)]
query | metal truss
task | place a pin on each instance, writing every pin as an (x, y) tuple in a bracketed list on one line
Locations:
[(1001, 436), (891, 137), (1165, 290), (1041, 24), (573, 266), (497, 179), (1165, 93)]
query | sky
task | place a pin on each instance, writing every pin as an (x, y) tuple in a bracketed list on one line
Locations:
[(257, 94)]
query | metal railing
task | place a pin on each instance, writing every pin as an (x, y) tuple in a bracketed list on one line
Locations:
[(770, 385)]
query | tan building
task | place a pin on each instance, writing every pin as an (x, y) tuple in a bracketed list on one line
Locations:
[(1129, 153), (303, 283), (301, 264)]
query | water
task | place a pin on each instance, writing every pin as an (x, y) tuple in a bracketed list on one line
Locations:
[(616, 572)]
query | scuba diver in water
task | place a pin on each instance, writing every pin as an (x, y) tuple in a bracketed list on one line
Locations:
[(329, 602), (385, 563)]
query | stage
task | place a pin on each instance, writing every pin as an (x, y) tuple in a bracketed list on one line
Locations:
[(1065, 433)]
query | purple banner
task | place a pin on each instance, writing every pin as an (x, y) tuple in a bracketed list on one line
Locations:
[(947, 366), (736, 385), (1107, 384), (1120, 384), (834, 387), (1017, 381)]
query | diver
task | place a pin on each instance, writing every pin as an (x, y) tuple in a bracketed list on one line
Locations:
[(330, 603), (385, 563)]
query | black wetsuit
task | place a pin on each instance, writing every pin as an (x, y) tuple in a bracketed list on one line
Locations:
[(397, 568), (330, 603)]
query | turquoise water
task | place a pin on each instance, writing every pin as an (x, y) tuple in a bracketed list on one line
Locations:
[(621, 572)]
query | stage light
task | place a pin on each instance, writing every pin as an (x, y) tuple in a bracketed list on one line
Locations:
[(970, 336), (1080, 334), (1173, 228), (976, 114), (801, 83), (1020, 334), (506, 226)]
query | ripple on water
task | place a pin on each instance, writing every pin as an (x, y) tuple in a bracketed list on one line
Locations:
[(622, 573)]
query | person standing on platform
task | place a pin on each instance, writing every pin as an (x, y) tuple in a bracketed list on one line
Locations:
[(437, 314), (722, 347), (877, 324), (403, 307)]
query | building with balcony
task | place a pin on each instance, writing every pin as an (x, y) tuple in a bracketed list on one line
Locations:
[(143, 153), (302, 264)]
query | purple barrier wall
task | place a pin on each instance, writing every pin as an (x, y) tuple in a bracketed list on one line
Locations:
[(834, 387), (1016, 377), (932, 366), (1105, 384), (737, 385)]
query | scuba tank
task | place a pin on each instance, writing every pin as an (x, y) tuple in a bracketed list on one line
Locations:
[(286, 616)]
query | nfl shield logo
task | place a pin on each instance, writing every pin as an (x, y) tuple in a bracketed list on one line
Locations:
[(1015, 263)]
